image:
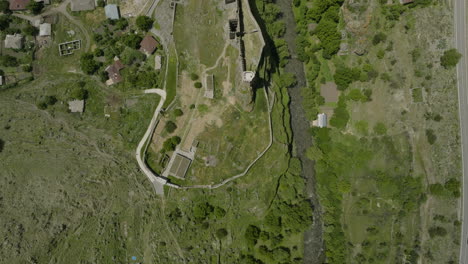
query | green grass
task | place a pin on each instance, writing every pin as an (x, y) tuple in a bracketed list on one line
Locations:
[(203, 40), (171, 77), (417, 95), (399, 228), (235, 144)]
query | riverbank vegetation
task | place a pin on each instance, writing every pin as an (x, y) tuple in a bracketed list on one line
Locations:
[(379, 171)]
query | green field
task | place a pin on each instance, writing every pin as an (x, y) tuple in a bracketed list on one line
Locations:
[(382, 163), (73, 192), (204, 40), (171, 77)]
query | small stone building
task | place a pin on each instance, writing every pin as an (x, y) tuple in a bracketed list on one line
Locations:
[(82, 5), (14, 41)]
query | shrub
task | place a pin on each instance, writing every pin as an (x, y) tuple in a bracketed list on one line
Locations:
[(121, 24), (170, 127), (344, 76), (30, 30), (4, 22), (219, 212), (2, 145), (252, 233), (88, 64), (450, 58), (27, 68), (170, 144), (431, 137), (178, 112), (50, 100), (101, 3), (198, 85), (221, 233), (453, 186), (132, 40), (144, 23), (379, 37), (356, 95), (437, 231), (4, 6), (341, 117), (129, 56), (202, 211), (35, 7), (194, 76), (329, 36), (436, 189), (79, 93), (8, 61), (98, 52), (380, 128)]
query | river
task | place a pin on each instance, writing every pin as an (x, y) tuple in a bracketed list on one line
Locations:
[(313, 240)]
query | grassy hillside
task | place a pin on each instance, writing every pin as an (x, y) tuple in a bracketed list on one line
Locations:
[(388, 168)]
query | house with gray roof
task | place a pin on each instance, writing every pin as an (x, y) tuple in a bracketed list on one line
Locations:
[(112, 12), (82, 5), (14, 41), (76, 106), (45, 29)]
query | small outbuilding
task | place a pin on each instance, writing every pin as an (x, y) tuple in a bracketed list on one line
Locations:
[(82, 5), (209, 87), (321, 120), (45, 29), (157, 62), (14, 41), (112, 12), (248, 76), (148, 45), (76, 106)]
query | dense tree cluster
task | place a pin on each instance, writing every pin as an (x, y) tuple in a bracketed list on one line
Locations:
[(35, 7), (8, 61), (88, 64), (170, 144), (144, 23)]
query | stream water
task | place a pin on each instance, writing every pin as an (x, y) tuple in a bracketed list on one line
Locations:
[(313, 241)]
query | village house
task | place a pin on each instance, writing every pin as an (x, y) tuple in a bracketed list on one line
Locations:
[(148, 45), (76, 106), (113, 71), (14, 41), (82, 5), (18, 5), (112, 12)]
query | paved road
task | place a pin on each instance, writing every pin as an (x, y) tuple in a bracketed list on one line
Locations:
[(460, 38), (157, 181)]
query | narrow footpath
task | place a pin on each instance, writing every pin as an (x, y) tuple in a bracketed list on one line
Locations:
[(313, 240)]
